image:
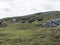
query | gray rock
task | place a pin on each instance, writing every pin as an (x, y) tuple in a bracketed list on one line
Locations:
[(30, 20), (3, 24), (52, 23), (15, 20)]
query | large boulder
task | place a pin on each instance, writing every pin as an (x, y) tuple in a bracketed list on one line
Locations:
[(52, 23)]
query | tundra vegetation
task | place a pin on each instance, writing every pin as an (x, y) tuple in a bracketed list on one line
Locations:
[(29, 30)]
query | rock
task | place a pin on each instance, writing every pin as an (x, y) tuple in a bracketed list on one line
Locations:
[(30, 20), (3, 24), (15, 20), (40, 19), (52, 23)]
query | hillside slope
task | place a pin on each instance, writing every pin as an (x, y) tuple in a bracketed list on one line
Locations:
[(23, 32)]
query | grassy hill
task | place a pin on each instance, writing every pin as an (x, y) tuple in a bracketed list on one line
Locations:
[(30, 33)]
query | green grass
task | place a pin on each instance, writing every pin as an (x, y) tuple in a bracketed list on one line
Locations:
[(30, 33)]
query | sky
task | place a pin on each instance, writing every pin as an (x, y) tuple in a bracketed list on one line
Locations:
[(11, 8)]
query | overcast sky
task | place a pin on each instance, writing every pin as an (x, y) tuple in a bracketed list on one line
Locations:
[(9, 8)]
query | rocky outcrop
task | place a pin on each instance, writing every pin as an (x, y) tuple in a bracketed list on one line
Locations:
[(52, 23)]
